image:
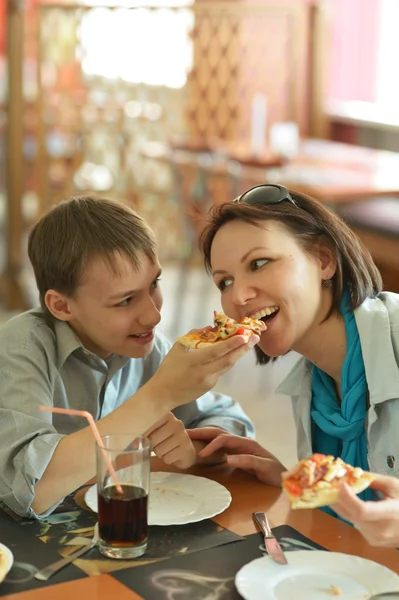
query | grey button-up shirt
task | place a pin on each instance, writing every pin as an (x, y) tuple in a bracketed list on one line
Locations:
[(42, 364)]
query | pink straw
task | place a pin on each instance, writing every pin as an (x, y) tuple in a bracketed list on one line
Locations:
[(89, 417)]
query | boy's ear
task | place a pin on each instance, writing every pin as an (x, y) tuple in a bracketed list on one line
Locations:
[(58, 305), (327, 260)]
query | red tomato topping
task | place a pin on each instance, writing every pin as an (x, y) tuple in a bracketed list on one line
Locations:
[(241, 331), (293, 487), (317, 457)]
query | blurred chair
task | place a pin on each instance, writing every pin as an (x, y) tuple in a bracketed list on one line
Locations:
[(376, 222)]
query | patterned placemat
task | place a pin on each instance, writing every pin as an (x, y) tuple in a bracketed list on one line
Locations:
[(207, 575), (36, 544)]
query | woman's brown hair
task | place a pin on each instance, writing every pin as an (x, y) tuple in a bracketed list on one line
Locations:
[(309, 221)]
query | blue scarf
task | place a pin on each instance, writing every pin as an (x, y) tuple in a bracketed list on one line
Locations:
[(340, 429)]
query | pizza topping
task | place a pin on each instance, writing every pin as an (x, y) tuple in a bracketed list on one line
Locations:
[(315, 481), (227, 327), (320, 468), (224, 328)]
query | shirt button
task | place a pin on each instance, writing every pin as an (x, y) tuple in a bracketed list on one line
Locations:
[(391, 461)]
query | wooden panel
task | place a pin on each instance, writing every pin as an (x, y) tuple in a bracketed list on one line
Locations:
[(242, 49)]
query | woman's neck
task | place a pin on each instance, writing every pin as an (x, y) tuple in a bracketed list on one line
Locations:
[(325, 346)]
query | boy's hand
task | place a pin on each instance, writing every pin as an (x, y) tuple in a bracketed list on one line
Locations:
[(185, 375), (171, 443)]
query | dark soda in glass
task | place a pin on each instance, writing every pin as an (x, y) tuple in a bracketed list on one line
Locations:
[(122, 519)]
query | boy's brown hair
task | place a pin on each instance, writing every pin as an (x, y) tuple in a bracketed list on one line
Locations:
[(75, 231), (309, 221)]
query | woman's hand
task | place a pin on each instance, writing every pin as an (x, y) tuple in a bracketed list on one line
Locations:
[(242, 453), (185, 375), (378, 522)]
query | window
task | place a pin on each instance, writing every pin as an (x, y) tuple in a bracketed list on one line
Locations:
[(363, 84), (139, 45)]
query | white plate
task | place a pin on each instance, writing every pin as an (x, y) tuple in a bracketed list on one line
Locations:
[(177, 498), (6, 561), (309, 575)]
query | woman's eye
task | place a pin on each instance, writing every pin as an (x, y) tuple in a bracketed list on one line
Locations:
[(259, 263), (155, 283), (222, 285)]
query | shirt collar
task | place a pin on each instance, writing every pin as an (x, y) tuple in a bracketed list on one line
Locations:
[(374, 325), (374, 319), (68, 343)]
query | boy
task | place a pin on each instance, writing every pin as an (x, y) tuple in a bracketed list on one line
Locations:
[(92, 346)]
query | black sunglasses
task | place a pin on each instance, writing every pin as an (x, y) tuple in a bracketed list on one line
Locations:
[(266, 193)]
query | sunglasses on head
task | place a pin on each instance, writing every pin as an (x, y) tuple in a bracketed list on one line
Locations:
[(266, 194)]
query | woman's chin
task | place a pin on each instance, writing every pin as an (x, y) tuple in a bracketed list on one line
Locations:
[(274, 350)]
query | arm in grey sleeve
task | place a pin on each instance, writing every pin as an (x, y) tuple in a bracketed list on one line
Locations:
[(27, 437), (216, 410)]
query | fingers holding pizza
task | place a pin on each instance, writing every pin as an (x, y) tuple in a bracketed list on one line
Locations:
[(378, 522), (186, 375)]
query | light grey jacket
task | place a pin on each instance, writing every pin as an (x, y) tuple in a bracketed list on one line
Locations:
[(378, 325)]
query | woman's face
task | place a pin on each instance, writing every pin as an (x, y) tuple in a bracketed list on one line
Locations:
[(261, 270)]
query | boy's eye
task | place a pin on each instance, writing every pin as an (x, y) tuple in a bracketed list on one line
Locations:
[(124, 302), (258, 263), (224, 283)]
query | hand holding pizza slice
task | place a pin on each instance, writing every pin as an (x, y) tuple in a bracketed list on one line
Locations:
[(223, 328), (315, 481)]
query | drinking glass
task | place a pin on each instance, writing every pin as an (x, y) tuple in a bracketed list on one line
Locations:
[(122, 517)]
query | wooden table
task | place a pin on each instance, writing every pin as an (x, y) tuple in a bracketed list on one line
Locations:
[(330, 171), (337, 173), (248, 495)]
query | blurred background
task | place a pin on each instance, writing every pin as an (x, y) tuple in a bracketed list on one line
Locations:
[(172, 106)]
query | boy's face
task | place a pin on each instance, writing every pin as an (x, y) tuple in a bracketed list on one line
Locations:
[(116, 313)]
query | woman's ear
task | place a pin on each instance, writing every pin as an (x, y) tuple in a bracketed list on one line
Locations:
[(58, 305), (327, 260)]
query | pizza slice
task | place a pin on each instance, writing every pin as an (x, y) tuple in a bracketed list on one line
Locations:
[(315, 481), (223, 328)]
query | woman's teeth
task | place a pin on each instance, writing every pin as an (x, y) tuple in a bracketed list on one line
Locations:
[(265, 312)]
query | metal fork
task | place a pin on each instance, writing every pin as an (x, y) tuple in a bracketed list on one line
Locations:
[(49, 571)]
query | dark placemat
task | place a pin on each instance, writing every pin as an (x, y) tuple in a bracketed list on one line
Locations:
[(207, 575), (36, 544)]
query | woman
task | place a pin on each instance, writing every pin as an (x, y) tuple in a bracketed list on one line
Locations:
[(286, 258)]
